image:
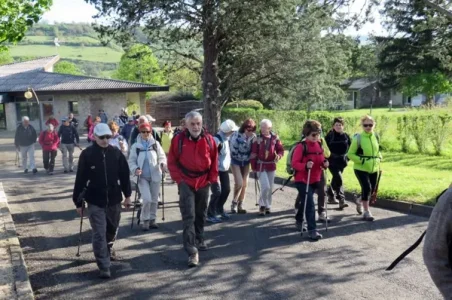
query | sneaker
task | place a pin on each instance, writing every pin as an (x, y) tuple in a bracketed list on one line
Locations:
[(240, 209), (323, 218), (262, 211), (368, 216), (65, 172), (153, 225), (201, 245), (234, 207), (213, 220), (35, 171), (331, 200), (343, 205), (26, 171), (224, 216), (315, 235), (113, 256), (71, 170), (359, 205), (267, 211), (145, 226), (193, 260), (299, 226), (104, 273)]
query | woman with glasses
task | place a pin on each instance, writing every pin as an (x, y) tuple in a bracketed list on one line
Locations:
[(366, 156), (240, 145), (148, 161), (117, 140)]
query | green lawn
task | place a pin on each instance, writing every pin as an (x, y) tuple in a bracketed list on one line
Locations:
[(407, 177), (74, 39), (97, 54)]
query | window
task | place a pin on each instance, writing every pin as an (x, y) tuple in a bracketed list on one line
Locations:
[(73, 107), (29, 109)]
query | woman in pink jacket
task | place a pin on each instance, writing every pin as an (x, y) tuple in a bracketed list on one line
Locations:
[(91, 130), (49, 142)]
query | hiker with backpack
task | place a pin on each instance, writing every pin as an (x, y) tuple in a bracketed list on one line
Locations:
[(365, 153), (338, 142), (240, 145), (308, 163), (220, 191), (193, 164), (147, 160), (117, 140), (266, 151)]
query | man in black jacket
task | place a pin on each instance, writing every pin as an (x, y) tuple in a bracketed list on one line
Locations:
[(104, 172), (24, 141), (73, 121), (68, 140)]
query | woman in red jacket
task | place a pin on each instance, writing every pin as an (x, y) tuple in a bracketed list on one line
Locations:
[(49, 142), (266, 151), (308, 162)]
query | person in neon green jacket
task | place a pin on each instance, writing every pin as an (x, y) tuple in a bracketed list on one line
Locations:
[(366, 156)]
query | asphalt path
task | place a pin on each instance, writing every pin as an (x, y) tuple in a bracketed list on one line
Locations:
[(250, 257)]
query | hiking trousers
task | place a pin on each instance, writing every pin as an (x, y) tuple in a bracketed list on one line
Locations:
[(368, 183), (28, 153), (266, 180), (68, 162), (336, 188), (149, 191), (220, 194), (48, 158), (241, 175)]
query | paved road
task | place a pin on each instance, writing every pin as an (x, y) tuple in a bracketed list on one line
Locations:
[(249, 257)]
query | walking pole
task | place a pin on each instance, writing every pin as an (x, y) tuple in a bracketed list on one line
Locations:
[(325, 175), (306, 195), (163, 195), (135, 202), (80, 233), (17, 159), (284, 184)]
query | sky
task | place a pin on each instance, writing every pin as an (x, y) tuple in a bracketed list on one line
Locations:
[(69, 11)]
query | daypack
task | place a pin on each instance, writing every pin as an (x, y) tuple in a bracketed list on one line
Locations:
[(220, 145), (416, 244), (154, 147), (289, 169), (359, 150)]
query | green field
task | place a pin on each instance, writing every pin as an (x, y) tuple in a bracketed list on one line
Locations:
[(72, 39), (96, 54)]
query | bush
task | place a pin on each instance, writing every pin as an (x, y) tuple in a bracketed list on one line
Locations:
[(254, 104), (403, 132), (439, 131), (419, 129)]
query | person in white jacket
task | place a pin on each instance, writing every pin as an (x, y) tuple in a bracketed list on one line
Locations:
[(147, 160)]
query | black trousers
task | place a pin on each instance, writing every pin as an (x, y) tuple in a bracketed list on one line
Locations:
[(320, 190), (337, 185), (220, 194), (48, 158), (368, 183), (193, 208)]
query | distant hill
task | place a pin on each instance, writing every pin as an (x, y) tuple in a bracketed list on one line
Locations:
[(78, 44)]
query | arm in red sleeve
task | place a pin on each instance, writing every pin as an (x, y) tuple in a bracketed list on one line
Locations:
[(297, 159), (56, 140), (255, 151), (173, 158), (213, 173)]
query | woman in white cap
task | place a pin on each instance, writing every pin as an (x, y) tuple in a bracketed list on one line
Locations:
[(221, 190)]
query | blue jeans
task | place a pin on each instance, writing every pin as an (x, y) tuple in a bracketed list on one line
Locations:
[(310, 208)]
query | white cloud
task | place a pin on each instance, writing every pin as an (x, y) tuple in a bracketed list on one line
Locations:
[(68, 11)]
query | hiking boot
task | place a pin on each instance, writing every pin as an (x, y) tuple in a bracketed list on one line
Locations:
[(240, 209), (359, 205), (342, 205), (368, 216), (26, 171), (104, 273), (224, 216), (71, 170), (65, 172), (315, 235), (323, 218), (153, 225), (193, 260), (299, 226), (213, 220), (145, 226), (201, 245), (268, 211), (331, 200), (113, 256), (234, 207), (35, 171), (262, 211)]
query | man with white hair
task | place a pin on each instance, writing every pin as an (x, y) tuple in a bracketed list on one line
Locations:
[(193, 165), (24, 141)]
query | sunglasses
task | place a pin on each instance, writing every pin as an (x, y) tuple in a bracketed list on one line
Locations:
[(146, 132), (251, 129), (103, 137), (368, 125), (315, 134)]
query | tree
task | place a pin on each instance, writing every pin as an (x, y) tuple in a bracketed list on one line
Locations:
[(19, 15), (66, 67), (138, 63), (185, 81), (240, 39), (427, 84)]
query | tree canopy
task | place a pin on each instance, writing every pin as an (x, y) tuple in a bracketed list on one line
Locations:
[(66, 67)]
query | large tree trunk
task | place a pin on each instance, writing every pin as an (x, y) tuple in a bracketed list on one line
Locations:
[(210, 79)]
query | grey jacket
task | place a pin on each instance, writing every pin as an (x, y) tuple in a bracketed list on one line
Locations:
[(438, 245)]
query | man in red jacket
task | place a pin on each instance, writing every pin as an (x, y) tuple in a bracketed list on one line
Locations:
[(192, 162)]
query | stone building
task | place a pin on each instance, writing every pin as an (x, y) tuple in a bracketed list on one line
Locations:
[(60, 94)]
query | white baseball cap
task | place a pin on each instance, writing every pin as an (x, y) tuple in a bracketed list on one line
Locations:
[(102, 129), (228, 126)]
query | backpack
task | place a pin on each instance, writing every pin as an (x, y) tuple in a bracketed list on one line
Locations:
[(416, 244), (154, 147), (359, 151), (181, 142), (220, 145), (289, 169)]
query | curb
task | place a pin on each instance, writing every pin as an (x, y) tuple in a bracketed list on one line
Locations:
[(21, 283), (395, 205)]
